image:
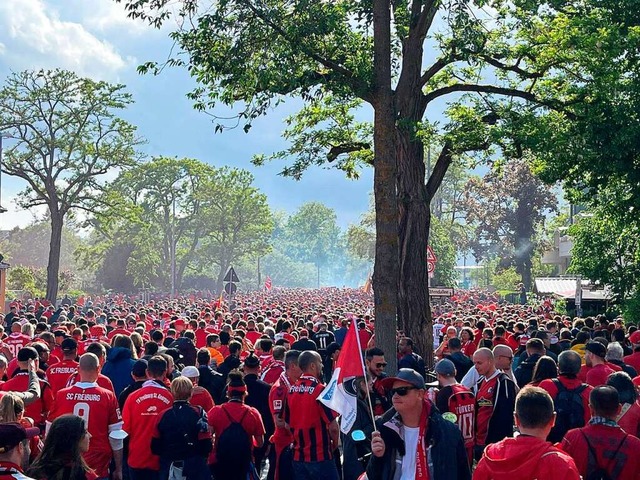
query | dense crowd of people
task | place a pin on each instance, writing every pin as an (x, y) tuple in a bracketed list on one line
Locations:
[(195, 388)]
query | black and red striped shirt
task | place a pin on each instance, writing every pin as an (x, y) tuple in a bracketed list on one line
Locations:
[(309, 421)]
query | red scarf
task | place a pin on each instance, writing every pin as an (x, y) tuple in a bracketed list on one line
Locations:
[(422, 468)]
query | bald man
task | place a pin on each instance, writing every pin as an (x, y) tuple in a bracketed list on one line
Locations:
[(495, 401), (98, 407)]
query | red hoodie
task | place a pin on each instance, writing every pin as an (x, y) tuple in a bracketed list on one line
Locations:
[(524, 458)]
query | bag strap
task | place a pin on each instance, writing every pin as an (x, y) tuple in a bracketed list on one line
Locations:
[(244, 414), (593, 452)]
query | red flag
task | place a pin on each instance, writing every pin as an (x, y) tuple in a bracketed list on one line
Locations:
[(267, 283), (337, 395)]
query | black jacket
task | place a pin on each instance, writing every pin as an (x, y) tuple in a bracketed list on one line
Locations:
[(213, 382), (524, 372), (258, 398), (462, 362), (414, 361), (445, 448), (504, 403)]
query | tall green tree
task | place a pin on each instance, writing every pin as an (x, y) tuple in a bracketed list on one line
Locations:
[(64, 136), (336, 55), (506, 208), (314, 234)]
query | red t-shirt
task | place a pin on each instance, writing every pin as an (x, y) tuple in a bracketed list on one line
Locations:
[(99, 409), (40, 408), (140, 414), (309, 420), (202, 398), (633, 360), (118, 331), (277, 400), (58, 374), (604, 440), (219, 421), (484, 406), (252, 336), (598, 375), (629, 419)]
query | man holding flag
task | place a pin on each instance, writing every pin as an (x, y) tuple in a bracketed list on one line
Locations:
[(314, 427)]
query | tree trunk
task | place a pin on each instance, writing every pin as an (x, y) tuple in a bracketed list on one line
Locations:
[(413, 219), (385, 272), (53, 265)]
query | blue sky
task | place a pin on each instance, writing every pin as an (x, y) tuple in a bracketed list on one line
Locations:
[(94, 38)]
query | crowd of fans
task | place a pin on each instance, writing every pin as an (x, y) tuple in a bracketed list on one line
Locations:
[(193, 388)]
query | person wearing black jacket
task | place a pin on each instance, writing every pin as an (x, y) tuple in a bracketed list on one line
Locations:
[(210, 380), (258, 398), (460, 360), (183, 441), (304, 343), (524, 373), (436, 444), (409, 358)]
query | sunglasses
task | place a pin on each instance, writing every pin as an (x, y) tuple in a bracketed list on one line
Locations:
[(381, 365), (402, 391)]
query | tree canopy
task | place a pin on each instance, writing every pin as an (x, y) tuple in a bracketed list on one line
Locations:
[(64, 136)]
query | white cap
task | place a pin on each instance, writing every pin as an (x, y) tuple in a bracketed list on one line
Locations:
[(190, 372)]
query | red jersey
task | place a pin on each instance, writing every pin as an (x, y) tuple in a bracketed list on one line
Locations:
[(281, 437), (309, 420), (140, 414), (615, 451), (485, 396), (252, 336), (40, 408), (272, 372), (99, 409), (463, 404), (59, 373), (202, 398), (103, 381), (219, 421), (16, 341)]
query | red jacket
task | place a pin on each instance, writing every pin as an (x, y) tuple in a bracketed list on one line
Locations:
[(605, 441), (525, 457)]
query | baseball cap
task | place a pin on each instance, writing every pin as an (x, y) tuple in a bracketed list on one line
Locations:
[(446, 368), (635, 337), (190, 372), (11, 434), (408, 375), (140, 368), (597, 349), (68, 345)]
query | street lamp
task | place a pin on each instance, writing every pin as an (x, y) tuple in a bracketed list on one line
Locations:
[(173, 243)]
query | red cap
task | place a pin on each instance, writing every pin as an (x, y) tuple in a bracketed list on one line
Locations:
[(636, 381)]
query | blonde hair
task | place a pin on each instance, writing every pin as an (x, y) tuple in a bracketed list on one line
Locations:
[(181, 388), (11, 408), (29, 329)]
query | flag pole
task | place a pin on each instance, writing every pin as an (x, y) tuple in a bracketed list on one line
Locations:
[(364, 371)]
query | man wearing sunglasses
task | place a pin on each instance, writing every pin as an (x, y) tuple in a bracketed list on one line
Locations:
[(376, 364), (413, 441)]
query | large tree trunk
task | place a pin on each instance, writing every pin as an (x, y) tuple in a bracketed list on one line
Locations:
[(413, 217), (385, 272), (53, 266)]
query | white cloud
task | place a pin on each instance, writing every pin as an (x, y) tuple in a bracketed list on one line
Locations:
[(108, 16), (17, 217), (35, 36)]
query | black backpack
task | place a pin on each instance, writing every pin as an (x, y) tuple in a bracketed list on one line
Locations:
[(599, 473), (233, 446), (569, 410)]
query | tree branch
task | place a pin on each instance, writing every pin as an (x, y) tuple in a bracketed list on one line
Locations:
[(331, 64)]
